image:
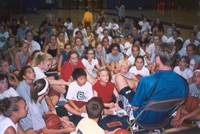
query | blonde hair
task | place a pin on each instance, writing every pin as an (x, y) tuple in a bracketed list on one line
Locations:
[(40, 57), (124, 62), (101, 69)]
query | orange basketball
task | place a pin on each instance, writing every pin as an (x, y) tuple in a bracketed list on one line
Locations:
[(192, 103), (52, 121), (122, 131)]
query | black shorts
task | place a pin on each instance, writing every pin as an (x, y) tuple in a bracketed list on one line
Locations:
[(127, 92), (61, 111)]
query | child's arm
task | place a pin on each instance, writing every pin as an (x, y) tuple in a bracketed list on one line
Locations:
[(73, 105), (49, 103), (59, 63), (17, 62), (194, 115), (57, 82), (14, 82), (109, 66)]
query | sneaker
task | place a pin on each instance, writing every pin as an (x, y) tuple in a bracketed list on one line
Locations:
[(121, 112), (135, 127), (84, 115), (198, 123)]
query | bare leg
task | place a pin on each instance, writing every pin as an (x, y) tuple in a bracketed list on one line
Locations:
[(121, 82), (72, 110)]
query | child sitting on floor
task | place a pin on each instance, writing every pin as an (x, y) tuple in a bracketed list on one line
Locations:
[(105, 90), (182, 114), (79, 92)]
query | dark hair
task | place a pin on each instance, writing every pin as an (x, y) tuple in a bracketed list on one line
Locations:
[(36, 87), (94, 107), (112, 46), (67, 44), (72, 52), (133, 46), (80, 24), (105, 38), (29, 31), (88, 26), (4, 76), (192, 46), (187, 60), (178, 42), (61, 33), (139, 57), (21, 44), (166, 52), (23, 71), (87, 50), (78, 32), (9, 105), (78, 72), (68, 19), (106, 30)]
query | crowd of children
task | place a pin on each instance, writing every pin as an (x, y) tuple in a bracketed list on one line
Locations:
[(73, 65)]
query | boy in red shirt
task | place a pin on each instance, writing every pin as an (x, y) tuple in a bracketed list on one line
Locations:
[(105, 89)]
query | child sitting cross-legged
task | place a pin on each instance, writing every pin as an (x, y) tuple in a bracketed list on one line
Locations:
[(105, 90), (79, 92)]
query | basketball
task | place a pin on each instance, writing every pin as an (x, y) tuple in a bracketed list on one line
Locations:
[(122, 131), (192, 103), (52, 121)]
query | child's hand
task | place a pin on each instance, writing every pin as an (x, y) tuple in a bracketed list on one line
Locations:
[(82, 109), (111, 105)]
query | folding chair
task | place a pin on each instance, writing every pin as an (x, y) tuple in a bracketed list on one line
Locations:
[(158, 106)]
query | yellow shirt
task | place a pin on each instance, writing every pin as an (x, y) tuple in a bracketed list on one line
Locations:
[(61, 44), (88, 126)]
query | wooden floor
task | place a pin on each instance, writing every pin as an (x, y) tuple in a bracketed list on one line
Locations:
[(183, 17)]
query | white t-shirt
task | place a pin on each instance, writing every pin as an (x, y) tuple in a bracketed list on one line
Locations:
[(69, 25), (144, 25), (172, 40), (5, 123), (187, 42), (39, 73), (131, 59), (187, 73), (164, 38), (109, 38), (77, 93), (182, 52), (9, 93), (83, 31), (35, 45), (90, 67), (100, 31), (115, 26), (151, 49), (129, 52), (128, 45), (143, 72)]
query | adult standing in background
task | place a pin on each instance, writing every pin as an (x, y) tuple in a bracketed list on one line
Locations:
[(121, 13)]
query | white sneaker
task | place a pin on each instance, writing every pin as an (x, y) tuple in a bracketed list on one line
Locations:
[(121, 112), (84, 115)]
